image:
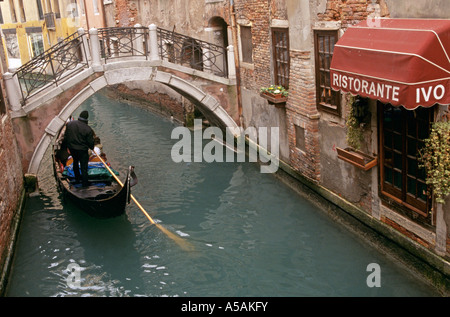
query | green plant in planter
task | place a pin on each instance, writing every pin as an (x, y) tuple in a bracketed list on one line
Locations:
[(435, 158), (275, 89), (357, 118)]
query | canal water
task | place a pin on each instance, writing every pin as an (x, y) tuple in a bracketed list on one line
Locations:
[(224, 229)]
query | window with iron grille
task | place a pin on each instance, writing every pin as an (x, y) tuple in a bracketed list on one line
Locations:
[(50, 20), (280, 52), (327, 99)]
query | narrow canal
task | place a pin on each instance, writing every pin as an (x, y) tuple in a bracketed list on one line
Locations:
[(250, 234)]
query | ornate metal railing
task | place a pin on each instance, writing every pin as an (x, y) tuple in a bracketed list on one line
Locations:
[(71, 55), (123, 41), (184, 50), (52, 66)]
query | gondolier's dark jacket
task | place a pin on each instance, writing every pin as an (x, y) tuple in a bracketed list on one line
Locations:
[(78, 135)]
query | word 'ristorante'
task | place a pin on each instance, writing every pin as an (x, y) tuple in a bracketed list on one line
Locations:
[(378, 90)]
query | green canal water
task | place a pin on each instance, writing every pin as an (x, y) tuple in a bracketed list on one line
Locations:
[(249, 233)]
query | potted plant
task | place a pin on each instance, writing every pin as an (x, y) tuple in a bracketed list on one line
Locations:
[(435, 158), (357, 119), (275, 94)]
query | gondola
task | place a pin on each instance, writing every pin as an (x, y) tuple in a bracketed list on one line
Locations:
[(105, 197)]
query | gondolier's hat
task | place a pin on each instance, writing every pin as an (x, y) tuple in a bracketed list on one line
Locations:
[(84, 115)]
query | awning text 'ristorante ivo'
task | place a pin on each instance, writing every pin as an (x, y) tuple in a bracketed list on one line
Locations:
[(397, 61)]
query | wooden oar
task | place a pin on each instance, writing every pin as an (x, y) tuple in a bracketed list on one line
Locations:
[(182, 243)]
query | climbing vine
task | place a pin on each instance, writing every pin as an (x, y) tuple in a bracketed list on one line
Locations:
[(356, 121), (435, 158)]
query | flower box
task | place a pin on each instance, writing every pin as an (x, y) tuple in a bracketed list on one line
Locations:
[(275, 94), (276, 99), (357, 158)]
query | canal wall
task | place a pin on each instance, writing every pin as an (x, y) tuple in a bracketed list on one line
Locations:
[(12, 194)]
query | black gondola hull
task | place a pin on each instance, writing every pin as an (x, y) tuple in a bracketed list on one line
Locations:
[(107, 200), (113, 205)]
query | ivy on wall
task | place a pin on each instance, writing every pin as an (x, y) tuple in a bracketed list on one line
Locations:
[(435, 158), (357, 120)]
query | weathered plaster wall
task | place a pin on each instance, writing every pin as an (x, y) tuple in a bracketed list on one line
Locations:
[(428, 9), (186, 17)]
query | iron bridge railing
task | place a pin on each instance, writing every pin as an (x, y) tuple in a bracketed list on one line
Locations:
[(123, 42), (184, 50), (70, 56), (52, 66)]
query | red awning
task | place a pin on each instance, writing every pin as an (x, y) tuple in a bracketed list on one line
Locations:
[(397, 61)]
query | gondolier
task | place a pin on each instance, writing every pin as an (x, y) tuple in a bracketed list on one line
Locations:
[(105, 196), (79, 138)]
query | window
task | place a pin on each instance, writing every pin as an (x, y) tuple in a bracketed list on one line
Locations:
[(13, 11), (95, 4), (12, 47), (327, 99), (280, 49), (36, 41), (300, 137), (246, 44), (82, 9), (22, 12), (41, 12), (401, 137)]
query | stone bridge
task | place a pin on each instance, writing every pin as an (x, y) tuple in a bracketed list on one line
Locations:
[(40, 110)]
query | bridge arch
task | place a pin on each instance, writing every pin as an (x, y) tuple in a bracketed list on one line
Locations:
[(121, 72)]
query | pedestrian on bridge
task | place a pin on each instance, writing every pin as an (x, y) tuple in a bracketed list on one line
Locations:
[(79, 138)]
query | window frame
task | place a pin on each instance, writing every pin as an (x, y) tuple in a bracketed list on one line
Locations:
[(334, 96), (40, 9), (22, 14), (13, 13), (402, 196), (281, 66)]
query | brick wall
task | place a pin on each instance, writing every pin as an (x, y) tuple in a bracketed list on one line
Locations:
[(350, 12), (11, 185), (256, 12), (301, 111), (125, 13)]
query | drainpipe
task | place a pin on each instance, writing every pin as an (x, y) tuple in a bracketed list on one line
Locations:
[(236, 61)]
